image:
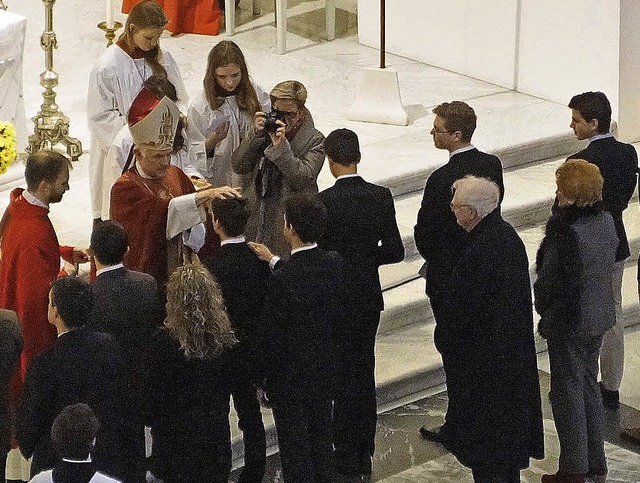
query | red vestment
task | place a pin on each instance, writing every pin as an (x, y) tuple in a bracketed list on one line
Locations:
[(141, 205), (187, 16), (30, 261)]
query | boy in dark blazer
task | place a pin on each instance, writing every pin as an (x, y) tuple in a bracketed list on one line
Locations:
[(295, 343), (242, 277), (362, 227)]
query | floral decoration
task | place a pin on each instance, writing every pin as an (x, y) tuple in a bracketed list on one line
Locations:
[(8, 151)]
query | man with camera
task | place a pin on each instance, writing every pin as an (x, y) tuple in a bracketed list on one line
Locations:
[(284, 156)]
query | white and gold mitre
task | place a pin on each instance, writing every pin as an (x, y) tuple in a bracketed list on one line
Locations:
[(153, 121)]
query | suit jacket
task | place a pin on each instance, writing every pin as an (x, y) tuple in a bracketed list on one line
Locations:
[(242, 277), (80, 366), (126, 304), (618, 163), (361, 226), (438, 236), (303, 306), (10, 348)]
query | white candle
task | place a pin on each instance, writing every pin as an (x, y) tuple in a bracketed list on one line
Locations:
[(110, 21)]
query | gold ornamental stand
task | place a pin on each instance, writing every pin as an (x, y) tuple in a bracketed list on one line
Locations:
[(109, 33), (51, 125)]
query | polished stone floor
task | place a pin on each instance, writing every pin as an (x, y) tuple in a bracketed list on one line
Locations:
[(402, 456)]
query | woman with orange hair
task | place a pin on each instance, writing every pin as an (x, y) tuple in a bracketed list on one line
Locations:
[(574, 297)]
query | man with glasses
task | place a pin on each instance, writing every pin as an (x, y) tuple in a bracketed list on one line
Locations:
[(439, 239), (278, 163)]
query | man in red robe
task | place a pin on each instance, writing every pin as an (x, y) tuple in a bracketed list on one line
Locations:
[(156, 202), (30, 256)]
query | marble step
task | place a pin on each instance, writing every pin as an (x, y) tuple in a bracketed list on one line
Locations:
[(408, 363), (407, 304)]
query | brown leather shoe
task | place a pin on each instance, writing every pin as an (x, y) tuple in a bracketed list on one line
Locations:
[(631, 434), (564, 477)]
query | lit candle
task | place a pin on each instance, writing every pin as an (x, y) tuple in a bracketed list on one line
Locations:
[(110, 21)]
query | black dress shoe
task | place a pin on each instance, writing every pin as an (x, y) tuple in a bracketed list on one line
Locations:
[(432, 435), (610, 399)]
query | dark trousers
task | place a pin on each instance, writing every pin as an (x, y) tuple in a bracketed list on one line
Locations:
[(250, 422), (496, 475), (577, 404), (355, 406), (303, 425)]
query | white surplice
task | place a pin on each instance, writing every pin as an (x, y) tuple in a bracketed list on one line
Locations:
[(203, 120), (113, 86)]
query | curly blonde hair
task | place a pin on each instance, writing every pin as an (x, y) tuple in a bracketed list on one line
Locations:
[(196, 315)]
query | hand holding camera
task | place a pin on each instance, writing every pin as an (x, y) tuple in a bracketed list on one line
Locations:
[(272, 124)]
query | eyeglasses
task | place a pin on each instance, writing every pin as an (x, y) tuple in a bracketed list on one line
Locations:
[(455, 207), (289, 115), (435, 131)]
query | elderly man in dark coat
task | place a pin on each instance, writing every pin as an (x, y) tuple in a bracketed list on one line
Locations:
[(494, 419)]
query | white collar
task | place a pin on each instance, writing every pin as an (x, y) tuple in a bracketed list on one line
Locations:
[(600, 136), (306, 247), (461, 150), (69, 460), (109, 268), (352, 175), (238, 239), (33, 199)]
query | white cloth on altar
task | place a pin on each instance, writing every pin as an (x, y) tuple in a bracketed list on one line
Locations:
[(13, 29), (113, 86), (203, 120), (116, 159)]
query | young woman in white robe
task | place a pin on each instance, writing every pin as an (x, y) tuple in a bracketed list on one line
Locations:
[(119, 157), (222, 114), (116, 81)]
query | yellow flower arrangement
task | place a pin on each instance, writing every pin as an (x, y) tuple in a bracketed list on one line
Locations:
[(8, 152)]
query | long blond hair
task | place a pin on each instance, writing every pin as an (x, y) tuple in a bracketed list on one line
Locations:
[(222, 54), (196, 316)]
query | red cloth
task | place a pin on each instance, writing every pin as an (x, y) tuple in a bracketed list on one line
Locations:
[(187, 16), (141, 206), (30, 262)]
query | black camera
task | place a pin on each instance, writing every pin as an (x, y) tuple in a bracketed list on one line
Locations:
[(270, 124)]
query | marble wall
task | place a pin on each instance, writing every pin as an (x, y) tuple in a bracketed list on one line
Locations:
[(545, 48)]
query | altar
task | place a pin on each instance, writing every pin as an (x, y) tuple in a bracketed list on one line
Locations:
[(13, 29), (545, 48)]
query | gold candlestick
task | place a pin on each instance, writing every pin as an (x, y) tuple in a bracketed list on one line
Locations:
[(109, 33), (51, 125)]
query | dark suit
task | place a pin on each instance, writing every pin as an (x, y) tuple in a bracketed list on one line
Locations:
[(438, 236), (242, 277), (10, 349), (618, 163), (80, 366), (295, 345), (362, 228), (127, 306)]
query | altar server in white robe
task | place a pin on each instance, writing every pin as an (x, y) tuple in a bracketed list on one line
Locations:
[(222, 114), (117, 80), (120, 155)]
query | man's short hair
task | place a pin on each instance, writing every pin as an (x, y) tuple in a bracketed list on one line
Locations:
[(306, 213), (343, 147), (593, 105), (458, 116), (74, 430), (73, 299), (290, 90), (480, 193), (109, 242), (232, 214), (44, 166)]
